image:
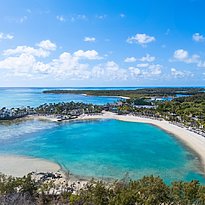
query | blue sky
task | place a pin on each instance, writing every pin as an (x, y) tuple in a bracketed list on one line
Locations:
[(102, 43)]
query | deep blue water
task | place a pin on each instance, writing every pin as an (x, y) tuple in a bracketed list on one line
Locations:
[(105, 148)]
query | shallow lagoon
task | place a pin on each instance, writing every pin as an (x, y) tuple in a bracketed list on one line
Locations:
[(103, 148)]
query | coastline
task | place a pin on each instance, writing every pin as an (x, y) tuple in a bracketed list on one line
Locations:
[(19, 166), (10, 164), (122, 97)]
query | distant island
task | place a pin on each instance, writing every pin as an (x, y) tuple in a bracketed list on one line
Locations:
[(142, 92)]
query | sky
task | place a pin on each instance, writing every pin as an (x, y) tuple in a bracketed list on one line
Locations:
[(63, 43)]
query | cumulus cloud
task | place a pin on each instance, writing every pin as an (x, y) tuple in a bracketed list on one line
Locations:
[(154, 69), (47, 45), (146, 71), (141, 39), (7, 36), (180, 74), (89, 54), (109, 71), (147, 58), (43, 49), (130, 60), (23, 62), (39, 52), (29, 62), (89, 39), (198, 37), (183, 55), (135, 72)]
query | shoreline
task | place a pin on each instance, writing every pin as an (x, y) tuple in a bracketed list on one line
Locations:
[(123, 97), (19, 166), (10, 163)]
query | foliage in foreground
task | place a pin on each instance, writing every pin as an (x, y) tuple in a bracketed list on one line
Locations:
[(146, 191)]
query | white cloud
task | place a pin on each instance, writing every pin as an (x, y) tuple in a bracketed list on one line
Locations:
[(4, 36), (26, 50), (180, 74), (141, 39), (89, 54), (89, 39), (154, 69), (183, 55), (147, 71), (25, 61), (22, 63), (109, 71), (147, 58), (61, 18), (142, 65), (198, 38), (47, 45), (135, 72), (130, 60)]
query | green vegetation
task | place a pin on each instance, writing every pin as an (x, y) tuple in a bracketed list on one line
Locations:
[(70, 108), (146, 191), (189, 111), (145, 92)]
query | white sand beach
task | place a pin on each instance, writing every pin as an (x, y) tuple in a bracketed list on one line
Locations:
[(19, 166)]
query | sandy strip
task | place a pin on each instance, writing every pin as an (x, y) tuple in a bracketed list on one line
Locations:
[(19, 166), (51, 118), (194, 141), (107, 96)]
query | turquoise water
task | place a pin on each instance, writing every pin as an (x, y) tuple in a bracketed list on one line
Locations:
[(103, 149), (17, 97)]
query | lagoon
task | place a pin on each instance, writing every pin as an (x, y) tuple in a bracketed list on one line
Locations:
[(103, 148)]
